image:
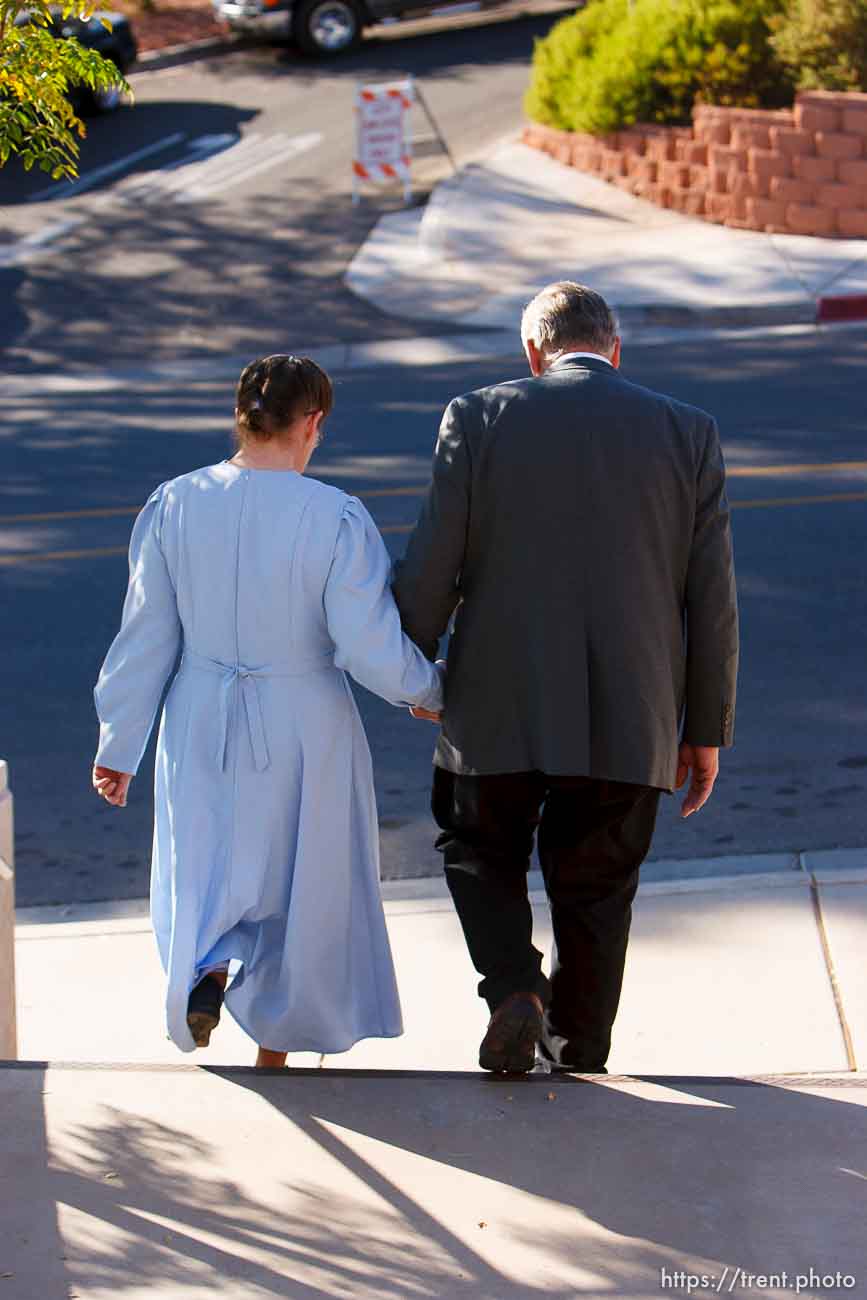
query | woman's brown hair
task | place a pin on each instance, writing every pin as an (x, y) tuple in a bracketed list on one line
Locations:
[(275, 391)]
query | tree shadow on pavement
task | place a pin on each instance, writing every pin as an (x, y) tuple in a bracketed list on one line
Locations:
[(195, 281), (725, 1171), (324, 1184)]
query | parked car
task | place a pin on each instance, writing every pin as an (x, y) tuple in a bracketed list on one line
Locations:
[(119, 45), (326, 28)]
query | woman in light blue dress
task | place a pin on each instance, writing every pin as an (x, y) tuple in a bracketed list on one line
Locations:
[(271, 586)]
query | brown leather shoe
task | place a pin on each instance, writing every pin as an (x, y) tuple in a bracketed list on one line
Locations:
[(509, 1046)]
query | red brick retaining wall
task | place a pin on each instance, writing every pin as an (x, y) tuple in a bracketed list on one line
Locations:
[(801, 171)]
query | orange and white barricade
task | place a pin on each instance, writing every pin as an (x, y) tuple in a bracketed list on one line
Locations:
[(383, 142)]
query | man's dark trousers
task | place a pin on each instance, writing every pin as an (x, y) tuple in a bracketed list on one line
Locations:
[(592, 838)]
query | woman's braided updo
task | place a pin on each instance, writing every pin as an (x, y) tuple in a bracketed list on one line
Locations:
[(275, 391)]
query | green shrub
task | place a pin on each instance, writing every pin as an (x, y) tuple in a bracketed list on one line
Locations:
[(824, 43), (613, 64), (562, 58)]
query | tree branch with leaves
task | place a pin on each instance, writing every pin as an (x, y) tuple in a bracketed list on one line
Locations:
[(38, 71)]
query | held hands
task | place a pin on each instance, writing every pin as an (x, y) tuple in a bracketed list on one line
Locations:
[(111, 785), (427, 714), (703, 762)]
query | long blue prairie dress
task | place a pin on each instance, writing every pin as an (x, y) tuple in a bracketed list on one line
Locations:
[(266, 847)]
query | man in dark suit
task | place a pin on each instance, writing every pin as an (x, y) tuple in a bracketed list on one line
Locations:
[(578, 531)]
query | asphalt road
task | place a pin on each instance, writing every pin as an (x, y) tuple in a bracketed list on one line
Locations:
[(229, 238), (792, 415), (232, 232)]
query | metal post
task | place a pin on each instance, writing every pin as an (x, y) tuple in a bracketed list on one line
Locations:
[(356, 194), (407, 140), (8, 1029), (434, 125)]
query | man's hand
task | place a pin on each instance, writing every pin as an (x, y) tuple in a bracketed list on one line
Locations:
[(111, 785), (703, 762)]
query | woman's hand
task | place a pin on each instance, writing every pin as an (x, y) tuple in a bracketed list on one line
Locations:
[(112, 785), (427, 714)]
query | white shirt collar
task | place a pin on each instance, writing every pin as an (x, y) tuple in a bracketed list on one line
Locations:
[(570, 356)]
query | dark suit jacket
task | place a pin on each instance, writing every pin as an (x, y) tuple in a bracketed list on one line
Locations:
[(577, 526)]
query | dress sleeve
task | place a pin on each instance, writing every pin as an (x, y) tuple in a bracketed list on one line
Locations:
[(143, 653), (364, 623)]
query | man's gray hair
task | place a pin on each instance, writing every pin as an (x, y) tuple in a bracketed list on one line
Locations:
[(567, 316)]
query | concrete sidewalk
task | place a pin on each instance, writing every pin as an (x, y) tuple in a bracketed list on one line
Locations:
[(400, 1170), (489, 238), (740, 974)]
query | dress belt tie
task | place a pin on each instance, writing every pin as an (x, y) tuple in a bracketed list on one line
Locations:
[(246, 679)]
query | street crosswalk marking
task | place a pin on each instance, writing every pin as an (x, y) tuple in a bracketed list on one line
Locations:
[(32, 246), (211, 166), (68, 190)]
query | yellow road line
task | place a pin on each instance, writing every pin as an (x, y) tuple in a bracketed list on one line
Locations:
[(766, 503), (109, 512), (48, 516), (770, 502), (31, 556), (734, 471), (783, 471)]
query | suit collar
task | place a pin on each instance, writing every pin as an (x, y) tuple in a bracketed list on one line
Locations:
[(581, 363)]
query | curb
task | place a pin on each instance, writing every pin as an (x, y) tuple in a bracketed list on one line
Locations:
[(337, 358), (187, 52), (677, 316), (781, 871), (796, 1079), (462, 348)]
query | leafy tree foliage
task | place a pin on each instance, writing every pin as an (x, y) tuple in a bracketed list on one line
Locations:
[(824, 42), (37, 73)]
